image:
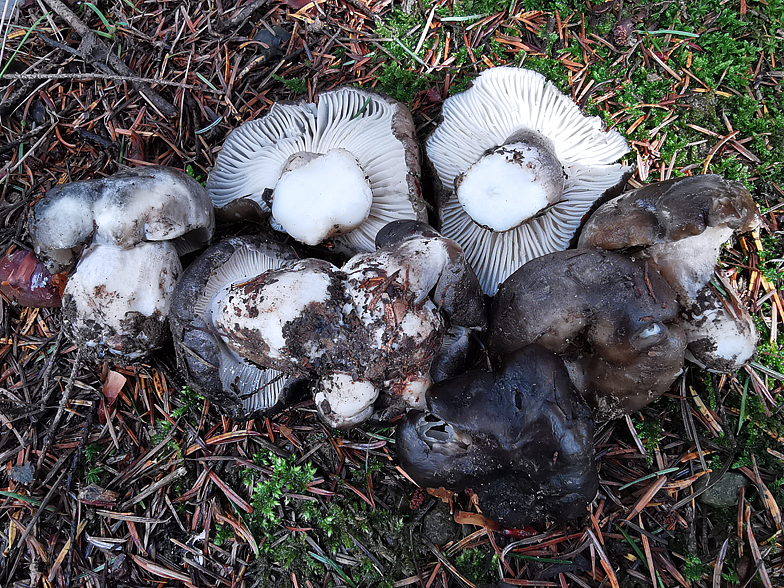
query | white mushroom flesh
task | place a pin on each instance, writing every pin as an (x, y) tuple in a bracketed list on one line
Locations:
[(509, 186), (343, 401), (113, 288), (321, 196), (269, 309)]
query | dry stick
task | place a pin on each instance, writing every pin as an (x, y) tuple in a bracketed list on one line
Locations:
[(33, 521), (100, 76), (45, 393), (88, 424), (61, 408), (93, 50), (239, 19)]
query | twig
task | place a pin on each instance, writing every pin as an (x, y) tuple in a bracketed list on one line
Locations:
[(93, 51), (61, 408), (100, 76), (242, 15)]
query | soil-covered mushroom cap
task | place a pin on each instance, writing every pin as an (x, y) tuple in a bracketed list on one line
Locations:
[(678, 228), (616, 324), (519, 166), (236, 384), (308, 160), (521, 438), (143, 204), (117, 301)]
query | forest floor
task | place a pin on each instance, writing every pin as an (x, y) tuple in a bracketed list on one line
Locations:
[(118, 475)]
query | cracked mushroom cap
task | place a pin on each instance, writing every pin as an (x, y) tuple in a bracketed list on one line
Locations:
[(678, 227), (142, 204), (117, 301), (340, 169), (235, 383), (615, 323), (521, 438), (519, 166)]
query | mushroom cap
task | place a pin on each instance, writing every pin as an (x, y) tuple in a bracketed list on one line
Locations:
[(376, 130), (26, 280), (142, 204), (503, 105), (521, 438), (616, 324), (678, 227), (235, 384), (117, 301)]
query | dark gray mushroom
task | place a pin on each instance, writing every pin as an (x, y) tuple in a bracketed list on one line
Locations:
[(615, 323), (340, 169), (521, 438), (519, 166), (678, 228)]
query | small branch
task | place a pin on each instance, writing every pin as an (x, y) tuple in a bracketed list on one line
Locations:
[(95, 52), (99, 76)]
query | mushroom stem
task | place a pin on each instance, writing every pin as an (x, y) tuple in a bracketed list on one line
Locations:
[(321, 196), (512, 183)]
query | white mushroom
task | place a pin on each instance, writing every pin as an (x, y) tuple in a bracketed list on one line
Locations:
[(239, 386), (342, 168), (142, 204), (134, 226), (519, 165)]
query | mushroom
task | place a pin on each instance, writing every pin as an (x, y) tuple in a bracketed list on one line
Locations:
[(457, 294), (340, 169), (615, 323), (519, 167), (129, 229), (354, 332), (26, 280), (678, 227), (520, 437), (238, 386)]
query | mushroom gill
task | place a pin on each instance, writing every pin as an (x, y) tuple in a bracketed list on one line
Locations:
[(519, 166), (339, 170)]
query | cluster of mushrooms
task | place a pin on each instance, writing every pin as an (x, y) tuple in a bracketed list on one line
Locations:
[(589, 319)]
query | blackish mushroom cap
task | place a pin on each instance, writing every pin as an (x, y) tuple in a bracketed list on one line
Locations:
[(651, 219), (521, 438), (202, 354), (678, 228), (615, 323), (457, 292)]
